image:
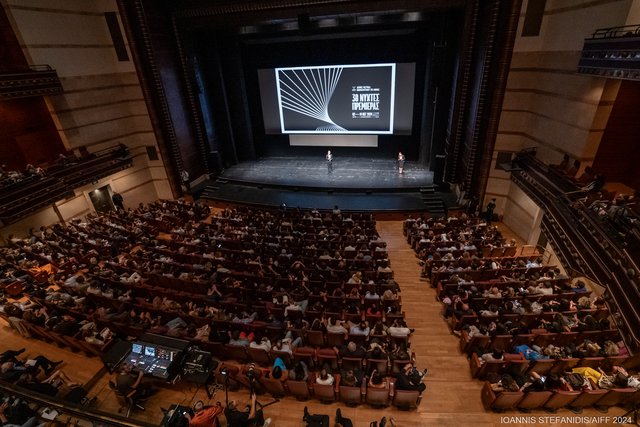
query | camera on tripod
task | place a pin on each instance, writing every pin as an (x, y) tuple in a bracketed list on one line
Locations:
[(251, 372)]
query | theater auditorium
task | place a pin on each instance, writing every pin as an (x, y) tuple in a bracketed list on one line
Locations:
[(319, 212)]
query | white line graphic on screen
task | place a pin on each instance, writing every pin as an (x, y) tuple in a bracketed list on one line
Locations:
[(309, 92)]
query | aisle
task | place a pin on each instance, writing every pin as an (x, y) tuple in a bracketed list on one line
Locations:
[(452, 398)]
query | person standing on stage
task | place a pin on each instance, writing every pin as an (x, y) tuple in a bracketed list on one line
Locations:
[(329, 158), (400, 162)]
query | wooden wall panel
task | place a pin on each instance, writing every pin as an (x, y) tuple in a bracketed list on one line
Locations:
[(619, 151)]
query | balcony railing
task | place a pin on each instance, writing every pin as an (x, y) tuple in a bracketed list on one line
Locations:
[(37, 80), (613, 53)]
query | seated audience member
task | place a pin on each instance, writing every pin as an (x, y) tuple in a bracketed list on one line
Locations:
[(264, 344), (12, 369), (351, 349), (492, 356), (336, 326), (300, 372), (279, 370), (127, 381), (240, 338), (361, 328), (287, 344), (377, 380), (410, 379), (49, 386), (204, 416), (399, 329), (324, 377), (579, 287), (350, 378)]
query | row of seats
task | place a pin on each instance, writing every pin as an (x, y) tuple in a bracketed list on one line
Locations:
[(75, 343), (541, 338), (553, 400), (303, 390), (516, 363)]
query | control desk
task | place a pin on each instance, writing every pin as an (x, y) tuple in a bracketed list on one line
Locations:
[(152, 359)]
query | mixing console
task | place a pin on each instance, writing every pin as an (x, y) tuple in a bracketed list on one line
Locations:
[(151, 359)]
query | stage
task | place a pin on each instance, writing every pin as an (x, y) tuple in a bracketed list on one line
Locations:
[(355, 184), (348, 173)]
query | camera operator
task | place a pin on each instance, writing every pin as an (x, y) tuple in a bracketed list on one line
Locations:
[(249, 417), (204, 416)]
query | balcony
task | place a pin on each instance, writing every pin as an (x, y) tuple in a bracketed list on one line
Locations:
[(612, 53), (33, 193), (584, 242), (37, 80)]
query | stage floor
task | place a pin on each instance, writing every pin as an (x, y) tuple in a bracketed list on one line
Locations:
[(348, 172)]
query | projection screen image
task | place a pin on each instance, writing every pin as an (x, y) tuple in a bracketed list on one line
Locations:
[(336, 99)]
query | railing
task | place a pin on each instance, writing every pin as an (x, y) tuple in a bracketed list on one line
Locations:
[(37, 80), (77, 411), (613, 32)]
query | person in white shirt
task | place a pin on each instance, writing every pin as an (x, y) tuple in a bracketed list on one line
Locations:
[(264, 344), (399, 329), (325, 378), (336, 327)]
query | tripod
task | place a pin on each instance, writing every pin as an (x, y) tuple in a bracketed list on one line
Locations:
[(252, 392), (225, 373)]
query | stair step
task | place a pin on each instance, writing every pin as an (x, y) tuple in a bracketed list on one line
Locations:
[(427, 190)]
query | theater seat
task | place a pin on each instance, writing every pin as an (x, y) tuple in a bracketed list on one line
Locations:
[(564, 365), (259, 356), (587, 398), (351, 396), (298, 389), (467, 343), (377, 396), (591, 362), (481, 370), (499, 401), (560, 399), (326, 393), (273, 386), (315, 338), (405, 399), (616, 396), (502, 343), (540, 366), (534, 399), (236, 352), (335, 340), (632, 362)]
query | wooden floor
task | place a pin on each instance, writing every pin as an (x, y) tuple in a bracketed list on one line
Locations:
[(452, 397)]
